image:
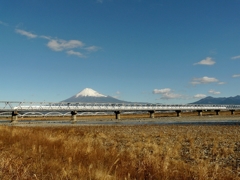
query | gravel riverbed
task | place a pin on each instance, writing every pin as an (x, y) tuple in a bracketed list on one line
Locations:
[(205, 120)]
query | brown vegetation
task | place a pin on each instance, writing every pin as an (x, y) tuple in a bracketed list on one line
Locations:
[(120, 152)]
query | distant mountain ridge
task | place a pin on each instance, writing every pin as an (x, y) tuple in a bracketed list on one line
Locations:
[(89, 95), (220, 100)]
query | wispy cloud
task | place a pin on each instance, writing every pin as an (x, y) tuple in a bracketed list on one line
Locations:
[(203, 80), (221, 83), (75, 53), (213, 51), (235, 57), (199, 96), (56, 44), (208, 61), (92, 48), (100, 1), (25, 33), (117, 95), (162, 91), (3, 23), (171, 96), (45, 37), (167, 93), (60, 45), (236, 75), (214, 92)]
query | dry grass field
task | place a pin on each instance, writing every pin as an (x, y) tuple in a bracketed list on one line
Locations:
[(120, 152)]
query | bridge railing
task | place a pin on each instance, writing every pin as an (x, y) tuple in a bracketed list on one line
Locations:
[(79, 106)]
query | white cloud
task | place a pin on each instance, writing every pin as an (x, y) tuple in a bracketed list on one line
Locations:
[(117, 95), (214, 92), (236, 75), (236, 57), (171, 96), (221, 83), (92, 48), (200, 96), (203, 80), (3, 23), (25, 33), (167, 93), (162, 91), (60, 45), (46, 37), (208, 61), (75, 53)]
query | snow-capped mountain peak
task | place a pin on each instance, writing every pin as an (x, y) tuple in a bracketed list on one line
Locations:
[(90, 96), (89, 92)]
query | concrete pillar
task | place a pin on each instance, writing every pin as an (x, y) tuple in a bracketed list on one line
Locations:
[(232, 111), (14, 117), (199, 112), (117, 114), (178, 113), (217, 112), (151, 114), (74, 116)]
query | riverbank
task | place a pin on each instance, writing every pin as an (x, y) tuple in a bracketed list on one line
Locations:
[(191, 120)]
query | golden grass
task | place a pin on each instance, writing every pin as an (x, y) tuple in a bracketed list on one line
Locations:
[(120, 152)]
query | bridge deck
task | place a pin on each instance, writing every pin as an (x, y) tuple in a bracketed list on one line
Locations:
[(68, 106)]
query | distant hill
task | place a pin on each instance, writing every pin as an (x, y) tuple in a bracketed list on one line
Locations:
[(91, 96), (220, 100)]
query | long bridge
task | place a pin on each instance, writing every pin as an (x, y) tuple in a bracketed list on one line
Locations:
[(15, 107)]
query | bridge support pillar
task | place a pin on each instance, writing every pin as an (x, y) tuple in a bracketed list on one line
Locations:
[(14, 117), (217, 112), (117, 114), (232, 111), (151, 114), (74, 116), (199, 112), (178, 113)]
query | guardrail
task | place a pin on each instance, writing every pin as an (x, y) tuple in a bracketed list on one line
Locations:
[(36, 107), (69, 106)]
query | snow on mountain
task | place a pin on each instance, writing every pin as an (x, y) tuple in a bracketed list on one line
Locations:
[(89, 92), (89, 95)]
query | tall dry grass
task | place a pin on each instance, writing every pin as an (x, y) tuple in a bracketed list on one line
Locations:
[(120, 152)]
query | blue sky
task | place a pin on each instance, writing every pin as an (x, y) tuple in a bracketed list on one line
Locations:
[(159, 51)]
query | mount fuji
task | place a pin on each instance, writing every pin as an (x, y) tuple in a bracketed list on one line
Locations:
[(89, 95)]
